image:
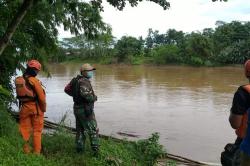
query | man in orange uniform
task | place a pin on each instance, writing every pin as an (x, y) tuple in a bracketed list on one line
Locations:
[(32, 111)]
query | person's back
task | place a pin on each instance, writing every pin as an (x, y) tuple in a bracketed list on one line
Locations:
[(238, 117), (84, 97), (32, 106)]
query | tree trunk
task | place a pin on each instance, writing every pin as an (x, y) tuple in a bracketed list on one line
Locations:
[(4, 40)]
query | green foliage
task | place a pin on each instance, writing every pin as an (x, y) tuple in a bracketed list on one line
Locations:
[(11, 144), (167, 54), (36, 36), (128, 46), (150, 149), (81, 47), (8, 127), (59, 149), (196, 61), (120, 4), (154, 39), (171, 163), (4, 94), (229, 43), (135, 60), (199, 45), (232, 42), (11, 154), (174, 37)]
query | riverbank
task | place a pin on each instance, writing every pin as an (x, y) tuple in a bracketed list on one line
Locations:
[(58, 149), (142, 60), (111, 60)]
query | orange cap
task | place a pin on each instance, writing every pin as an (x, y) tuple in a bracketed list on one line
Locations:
[(34, 64), (247, 68)]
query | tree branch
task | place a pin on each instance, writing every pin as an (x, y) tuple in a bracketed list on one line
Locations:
[(4, 40)]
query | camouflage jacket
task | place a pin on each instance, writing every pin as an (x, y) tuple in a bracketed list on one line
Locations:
[(81, 90)]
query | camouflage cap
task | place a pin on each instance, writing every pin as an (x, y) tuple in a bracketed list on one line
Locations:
[(87, 67)]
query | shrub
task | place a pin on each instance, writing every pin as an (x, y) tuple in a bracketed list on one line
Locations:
[(150, 149)]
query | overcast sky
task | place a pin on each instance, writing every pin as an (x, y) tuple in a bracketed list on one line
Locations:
[(185, 15)]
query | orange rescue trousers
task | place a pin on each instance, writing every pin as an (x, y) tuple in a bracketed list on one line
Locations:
[(31, 122)]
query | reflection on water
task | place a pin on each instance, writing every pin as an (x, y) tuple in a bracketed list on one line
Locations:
[(188, 106)]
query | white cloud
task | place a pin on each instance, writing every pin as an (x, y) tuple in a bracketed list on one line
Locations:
[(185, 15)]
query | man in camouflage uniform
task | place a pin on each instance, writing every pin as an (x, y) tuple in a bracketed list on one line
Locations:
[(84, 97)]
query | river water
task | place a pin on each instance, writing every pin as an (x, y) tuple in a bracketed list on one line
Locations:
[(188, 106)]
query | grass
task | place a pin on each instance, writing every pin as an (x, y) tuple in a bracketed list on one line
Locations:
[(58, 149)]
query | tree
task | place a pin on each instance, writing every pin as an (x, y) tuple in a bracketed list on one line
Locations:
[(149, 39), (29, 28), (154, 39), (167, 54), (198, 48), (83, 47), (231, 42), (174, 37), (74, 15), (128, 46), (27, 4)]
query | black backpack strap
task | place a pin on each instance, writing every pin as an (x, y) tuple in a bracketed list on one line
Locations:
[(75, 86), (76, 90)]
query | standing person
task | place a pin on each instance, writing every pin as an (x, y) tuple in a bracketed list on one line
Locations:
[(32, 104), (239, 116), (84, 97)]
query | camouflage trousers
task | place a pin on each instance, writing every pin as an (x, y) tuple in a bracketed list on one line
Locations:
[(86, 126)]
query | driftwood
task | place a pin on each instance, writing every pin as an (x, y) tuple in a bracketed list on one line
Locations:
[(127, 134), (161, 162)]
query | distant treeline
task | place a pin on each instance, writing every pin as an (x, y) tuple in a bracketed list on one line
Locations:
[(228, 43)]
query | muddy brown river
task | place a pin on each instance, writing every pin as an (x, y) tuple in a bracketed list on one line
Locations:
[(188, 106)]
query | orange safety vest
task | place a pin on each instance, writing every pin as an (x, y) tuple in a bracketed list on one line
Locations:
[(241, 131), (24, 90)]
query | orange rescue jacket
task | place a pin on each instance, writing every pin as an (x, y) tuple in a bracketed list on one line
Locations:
[(30, 89), (24, 90)]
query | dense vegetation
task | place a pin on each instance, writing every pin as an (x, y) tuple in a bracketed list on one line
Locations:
[(228, 43), (58, 149)]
